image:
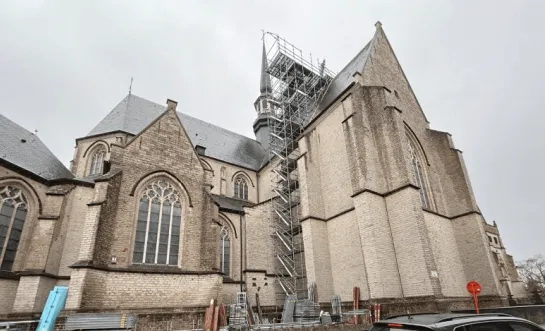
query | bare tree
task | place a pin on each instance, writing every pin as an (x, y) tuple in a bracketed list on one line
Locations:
[(532, 272)]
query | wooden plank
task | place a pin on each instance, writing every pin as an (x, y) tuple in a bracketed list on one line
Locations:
[(215, 319), (208, 316), (222, 316), (259, 313)]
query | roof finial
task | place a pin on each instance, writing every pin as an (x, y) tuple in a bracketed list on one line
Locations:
[(130, 87), (265, 84), (378, 25)]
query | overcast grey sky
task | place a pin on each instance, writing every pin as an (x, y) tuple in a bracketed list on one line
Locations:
[(477, 68)]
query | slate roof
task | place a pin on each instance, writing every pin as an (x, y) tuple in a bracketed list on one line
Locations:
[(24, 149), (344, 78), (133, 114), (231, 204)]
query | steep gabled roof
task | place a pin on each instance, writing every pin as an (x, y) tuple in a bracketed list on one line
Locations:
[(344, 78), (133, 114), (25, 150)]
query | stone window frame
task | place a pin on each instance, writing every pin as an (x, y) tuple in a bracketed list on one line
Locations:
[(91, 168), (418, 166), (225, 222), (12, 197), (185, 209), (225, 237), (244, 192), (33, 211), (240, 187)]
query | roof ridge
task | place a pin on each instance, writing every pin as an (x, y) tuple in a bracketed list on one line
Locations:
[(217, 126), (221, 143), (197, 119), (52, 165), (343, 79), (17, 124), (128, 97)]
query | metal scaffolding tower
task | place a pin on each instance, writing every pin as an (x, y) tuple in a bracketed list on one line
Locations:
[(297, 87)]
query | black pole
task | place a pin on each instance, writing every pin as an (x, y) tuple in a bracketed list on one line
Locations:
[(240, 229)]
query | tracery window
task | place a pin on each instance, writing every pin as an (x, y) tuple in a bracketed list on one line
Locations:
[(158, 225), (225, 251), (241, 188), (418, 175), (97, 162), (13, 211)]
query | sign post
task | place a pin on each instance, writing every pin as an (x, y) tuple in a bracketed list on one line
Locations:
[(474, 289)]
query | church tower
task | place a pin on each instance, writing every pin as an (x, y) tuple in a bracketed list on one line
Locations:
[(264, 104)]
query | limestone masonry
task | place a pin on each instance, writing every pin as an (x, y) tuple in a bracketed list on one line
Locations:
[(162, 211)]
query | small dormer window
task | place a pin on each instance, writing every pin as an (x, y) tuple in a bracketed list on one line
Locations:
[(200, 149)]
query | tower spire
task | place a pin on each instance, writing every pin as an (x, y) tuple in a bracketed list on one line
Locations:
[(265, 85)]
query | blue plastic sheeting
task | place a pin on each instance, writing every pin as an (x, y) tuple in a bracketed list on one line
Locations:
[(53, 306)]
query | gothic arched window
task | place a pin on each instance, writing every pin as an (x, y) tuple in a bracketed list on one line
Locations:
[(418, 174), (158, 225), (13, 211), (241, 188), (225, 251), (97, 162)]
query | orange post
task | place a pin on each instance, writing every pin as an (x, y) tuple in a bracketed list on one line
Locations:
[(474, 289)]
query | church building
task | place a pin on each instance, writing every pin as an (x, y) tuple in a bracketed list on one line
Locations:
[(162, 211)]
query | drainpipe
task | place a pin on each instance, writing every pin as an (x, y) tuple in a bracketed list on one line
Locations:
[(240, 229)]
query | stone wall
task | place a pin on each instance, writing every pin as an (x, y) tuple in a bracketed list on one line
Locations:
[(259, 253), (475, 253), (318, 256), (333, 164), (46, 243), (163, 150), (377, 247), (32, 293), (229, 174), (128, 290), (35, 193), (412, 248), (229, 292), (264, 184), (265, 285), (188, 320), (85, 147), (347, 266), (259, 244), (447, 257), (232, 221), (355, 155), (75, 218), (8, 289), (108, 211)]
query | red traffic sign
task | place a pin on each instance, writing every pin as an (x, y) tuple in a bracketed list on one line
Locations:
[(473, 288)]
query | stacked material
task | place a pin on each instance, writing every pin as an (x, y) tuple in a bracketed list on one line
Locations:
[(306, 311)]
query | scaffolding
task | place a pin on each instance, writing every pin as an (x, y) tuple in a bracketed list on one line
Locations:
[(297, 87)]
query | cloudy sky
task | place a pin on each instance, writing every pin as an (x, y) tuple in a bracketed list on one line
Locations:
[(477, 68)]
